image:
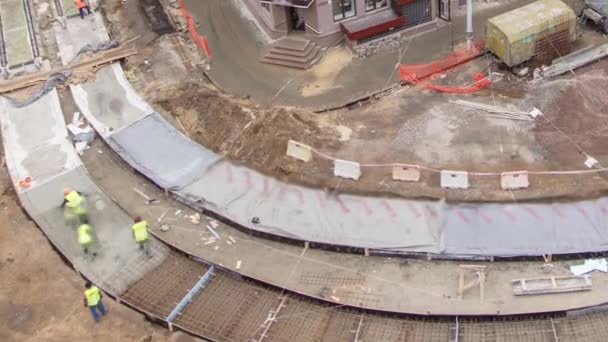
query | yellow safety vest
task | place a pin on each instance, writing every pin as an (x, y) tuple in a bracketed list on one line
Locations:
[(84, 235), (140, 230), (73, 199), (93, 296)]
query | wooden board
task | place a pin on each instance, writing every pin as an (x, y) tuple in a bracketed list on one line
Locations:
[(98, 59), (547, 285)]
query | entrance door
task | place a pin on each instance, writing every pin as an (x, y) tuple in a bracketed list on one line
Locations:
[(295, 17)]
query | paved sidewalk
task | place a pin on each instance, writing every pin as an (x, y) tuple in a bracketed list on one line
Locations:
[(335, 81)]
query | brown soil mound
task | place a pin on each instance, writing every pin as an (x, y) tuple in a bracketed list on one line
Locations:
[(254, 136)]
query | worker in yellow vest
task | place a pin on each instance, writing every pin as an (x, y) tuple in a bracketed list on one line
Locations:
[(85, 236), (75, 207), (92, 300), (140, 234)]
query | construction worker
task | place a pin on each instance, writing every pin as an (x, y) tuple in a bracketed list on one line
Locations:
[(82, 5), (140, 234), (92, 300), (85, 236), (75, 207)]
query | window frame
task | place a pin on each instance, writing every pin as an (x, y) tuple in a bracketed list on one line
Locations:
[(376, 7), (343, 12)]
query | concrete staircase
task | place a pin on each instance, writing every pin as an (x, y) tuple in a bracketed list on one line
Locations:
[(291, 52)]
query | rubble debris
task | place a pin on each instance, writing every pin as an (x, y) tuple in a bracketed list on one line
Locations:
[(590, 265), (80, 147), (162, 216), (213, 232), (214, 224), (196, 218), (522, 72), (149, 200), (231, 239), (575, 60), (164, 228), (591, 162), (238, 264), (496, 112), (210, 241)]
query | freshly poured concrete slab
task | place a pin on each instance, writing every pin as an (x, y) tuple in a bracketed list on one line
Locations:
[(119, 262), (16, 33), (109, 95), (112, 100), (155, 148), (38, 140), (36, 146)]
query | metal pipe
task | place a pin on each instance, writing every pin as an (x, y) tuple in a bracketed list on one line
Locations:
[(469, 31)]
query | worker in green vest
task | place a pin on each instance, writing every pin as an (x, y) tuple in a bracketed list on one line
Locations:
[(75, 207), (85, 236), (92, 300), (140, 234)]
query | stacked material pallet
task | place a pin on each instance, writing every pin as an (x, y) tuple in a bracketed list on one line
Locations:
[(576, 60)]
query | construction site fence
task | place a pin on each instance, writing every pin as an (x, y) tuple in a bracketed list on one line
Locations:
[(200, 41), (470, 173)]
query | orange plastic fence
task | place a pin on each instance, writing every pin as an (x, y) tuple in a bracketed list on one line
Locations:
[(200, 41), (416, 73)]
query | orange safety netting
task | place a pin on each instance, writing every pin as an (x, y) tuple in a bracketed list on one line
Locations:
[(415, 73), (200, 41)]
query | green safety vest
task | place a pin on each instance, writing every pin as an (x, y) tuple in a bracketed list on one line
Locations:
[(74, 200), (84, 235), (75, 203), (93, 296), (140, 230)]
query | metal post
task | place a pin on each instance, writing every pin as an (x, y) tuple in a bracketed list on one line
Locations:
[(271, 318), (190, 295), (469, 32)]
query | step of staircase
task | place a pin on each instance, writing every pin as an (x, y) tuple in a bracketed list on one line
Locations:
[(292, 53), (312, 54), (296, 53)]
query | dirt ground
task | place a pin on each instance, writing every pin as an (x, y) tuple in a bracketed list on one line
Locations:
[(41, 296)]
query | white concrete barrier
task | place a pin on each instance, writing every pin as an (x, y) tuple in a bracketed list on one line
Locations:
[(347, 169), (454, 179), (299, 151)]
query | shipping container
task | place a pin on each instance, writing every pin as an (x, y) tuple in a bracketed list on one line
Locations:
[(542, 30)]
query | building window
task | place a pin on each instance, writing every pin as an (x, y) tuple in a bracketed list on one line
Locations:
[(343, 9), (371, 5)]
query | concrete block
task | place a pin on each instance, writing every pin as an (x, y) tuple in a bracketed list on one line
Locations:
[(454, 179), (347, 169), (299, 151), (514, 180), (407, 173)]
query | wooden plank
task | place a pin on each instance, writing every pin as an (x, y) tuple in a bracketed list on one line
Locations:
[(553, 284), (99, 58)]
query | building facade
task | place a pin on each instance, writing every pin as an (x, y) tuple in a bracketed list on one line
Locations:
[(329, 21)]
